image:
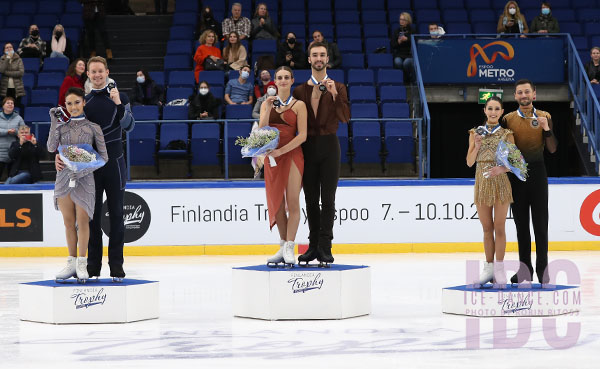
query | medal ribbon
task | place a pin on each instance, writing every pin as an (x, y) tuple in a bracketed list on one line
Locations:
[(523, 115), (287, 102), (314, 80)]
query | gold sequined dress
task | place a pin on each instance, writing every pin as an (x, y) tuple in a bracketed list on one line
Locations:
[(489, 191)]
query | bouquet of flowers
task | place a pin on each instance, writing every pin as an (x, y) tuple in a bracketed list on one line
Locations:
[(80, 159), (510, 156), (260, 142)]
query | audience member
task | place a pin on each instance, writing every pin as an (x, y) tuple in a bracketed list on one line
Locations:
[(435, 30), (204, 105), (545, 22), (32, 46), (12, 70), (401, 44), (239, 91), (291, 54), (76, 77), (208, 22), (592, 68), (237, 23), (94, 18), (10, 121), (271, 91), (146, 91), (335, 58), (262, 24), (59, 46), (206, 49), (263, 82), (235, 53), (25, 154), (511, 20)]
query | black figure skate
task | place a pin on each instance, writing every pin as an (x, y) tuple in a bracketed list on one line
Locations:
[(93, 271), (117, 273), (324, 257), (308, 256)]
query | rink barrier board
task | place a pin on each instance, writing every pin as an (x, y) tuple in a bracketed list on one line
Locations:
[(441, 248)]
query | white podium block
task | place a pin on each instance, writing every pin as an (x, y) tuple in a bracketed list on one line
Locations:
[(339, 292), (512, 301), (97, 301)]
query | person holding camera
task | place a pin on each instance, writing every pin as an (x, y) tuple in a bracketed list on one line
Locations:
[(25, 154), (262, 24), (511, 20), (290, 53), (493, 194)]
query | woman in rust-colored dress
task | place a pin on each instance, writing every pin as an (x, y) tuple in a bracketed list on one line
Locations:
[(284, 181)]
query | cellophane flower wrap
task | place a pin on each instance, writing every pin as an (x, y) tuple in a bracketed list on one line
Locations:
[(260, 142), (508, 155), (80, 159)]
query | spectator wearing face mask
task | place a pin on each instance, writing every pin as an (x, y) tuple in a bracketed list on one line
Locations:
[(436, 31), (511, 20), (204, 105), (146, 91), (545, 22), (271, 91), (59, 46), (32, 46), (208, 22), (239, 91), (291, 54), (264, 81)]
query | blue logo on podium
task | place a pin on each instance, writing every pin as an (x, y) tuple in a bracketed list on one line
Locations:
[(303, 282), (86, 297)]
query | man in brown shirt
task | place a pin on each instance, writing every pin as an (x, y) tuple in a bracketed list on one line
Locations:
[(327, 104), (532, 130)]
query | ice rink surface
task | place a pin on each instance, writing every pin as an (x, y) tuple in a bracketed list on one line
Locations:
[(196, 329)]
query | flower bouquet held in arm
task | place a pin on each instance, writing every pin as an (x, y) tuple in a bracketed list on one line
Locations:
[(259, 144), (509, 156), (80, 159)]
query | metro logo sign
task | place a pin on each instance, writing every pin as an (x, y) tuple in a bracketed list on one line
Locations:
[(589, 214), (508, 53)]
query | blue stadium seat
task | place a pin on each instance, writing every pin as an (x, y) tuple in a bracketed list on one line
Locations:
[(346, 17), (395, 110), (484, 28), (353, 61), (179, 47), (293, 17), (29, 80), (427, 15), (565, 15), (218, 92), (455, 15), (349, 45), (4, 7), (73, 7), (145, 112), (592, 29), (560, 4), (18, 20), (374, 16), (71, 21), (346, 4), (181, 33), (219, 7), (50, 7), (184, 19), (177, 62), (264, 46), (375, 30), (205, 143), (175, 113), (158, 77), (236, 129), (458, 28), (172, 132), (336, 75), (55, 65), (380, 61), (342, 133), (142, 143), (50, 80), (36, 114), (186, 6), (573, 28), (392, 94), (45, 20), (298, 29), (360, 77), (347, 31), (360, 94), (238, 111), (213, 77), (178, 78), (528, 4), (426, 4), (404, 5), (24, 7), (178, 93), (319, 16), (478, 4), (483, 15), (390, 77), (47, 98), (301, 76), (452, 4), (319, 5), (399, 142), (364, 110), (582, 42), (372, 5), (31, 65), (366, 141), (374, 43)]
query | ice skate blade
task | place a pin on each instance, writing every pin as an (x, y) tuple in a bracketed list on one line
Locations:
[(307, 265), (324, 264), (499, 286), (63, 280), (81, 281), (117, 279), (272, 264)]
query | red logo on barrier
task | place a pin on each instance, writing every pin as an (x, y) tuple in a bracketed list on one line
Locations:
[(586, 214), (472, 68)]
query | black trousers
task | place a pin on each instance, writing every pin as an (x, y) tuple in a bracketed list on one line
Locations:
[(532, 194), (91, 25), (110, 179), (320, 180), (2, 166)]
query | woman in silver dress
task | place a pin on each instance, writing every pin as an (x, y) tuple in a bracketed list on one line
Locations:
[(75, 203)]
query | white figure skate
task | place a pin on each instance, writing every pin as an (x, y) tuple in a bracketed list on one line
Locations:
[(68, 271)]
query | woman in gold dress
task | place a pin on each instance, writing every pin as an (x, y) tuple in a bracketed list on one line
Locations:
[(493, 193)]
